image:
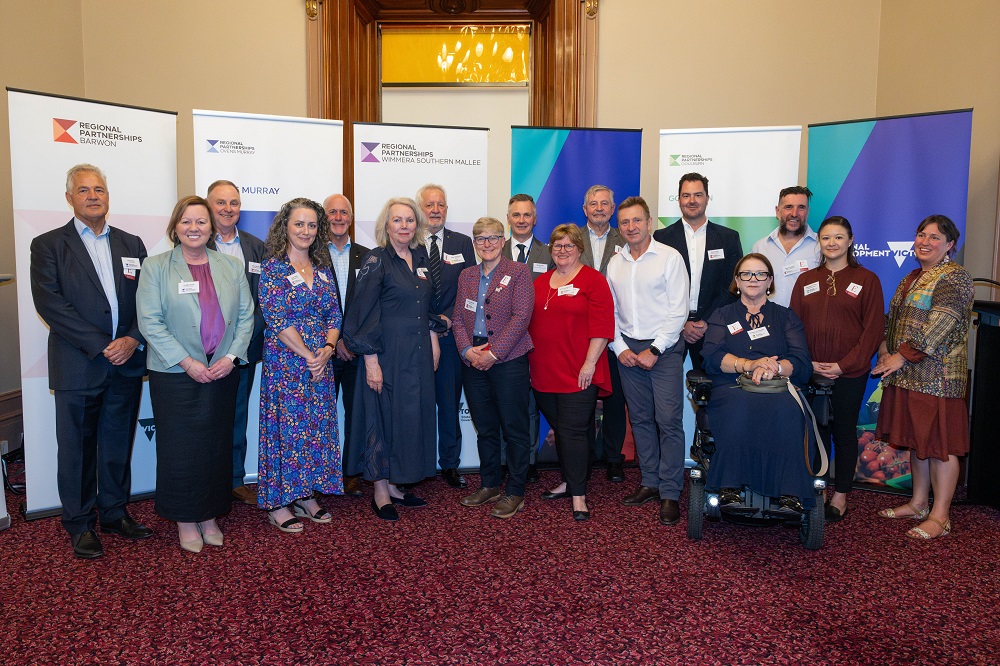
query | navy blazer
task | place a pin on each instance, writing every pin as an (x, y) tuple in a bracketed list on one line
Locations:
[(253, 251), (357, 255), (453, 243), (70, 299), (716, 274)]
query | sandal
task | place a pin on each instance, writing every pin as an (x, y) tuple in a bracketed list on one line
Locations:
[(321, 515), (919, 533), (292, 525), (918, 514)]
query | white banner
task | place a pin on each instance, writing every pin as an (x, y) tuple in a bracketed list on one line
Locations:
[(137, 150), (746, 167), (272, 159), (396, 161)]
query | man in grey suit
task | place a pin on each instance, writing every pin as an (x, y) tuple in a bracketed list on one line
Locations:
[(525, 248), (602, 241), (83, 282), (346, 256), (224, 198)]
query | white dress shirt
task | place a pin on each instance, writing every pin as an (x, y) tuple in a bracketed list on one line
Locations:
[(650, 295), (696, 240)]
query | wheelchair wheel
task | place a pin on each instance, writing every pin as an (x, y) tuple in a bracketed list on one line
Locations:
[(696, 508), (811, 527)]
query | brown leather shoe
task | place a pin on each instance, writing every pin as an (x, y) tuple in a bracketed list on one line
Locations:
[(508, 506), (353, 486), (246, 494), (641, 496), (670, 512), (481, 496)]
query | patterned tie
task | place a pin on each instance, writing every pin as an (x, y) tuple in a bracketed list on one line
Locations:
[(435, 257), (520, 253)]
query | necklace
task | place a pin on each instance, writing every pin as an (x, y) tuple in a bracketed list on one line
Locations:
[(551, 293)]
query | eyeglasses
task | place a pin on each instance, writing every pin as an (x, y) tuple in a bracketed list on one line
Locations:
[(487, 240), (563, 247), (831, 280), (759, 276)]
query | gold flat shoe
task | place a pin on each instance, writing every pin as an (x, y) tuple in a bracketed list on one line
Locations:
[(918, 514), (919, 533)]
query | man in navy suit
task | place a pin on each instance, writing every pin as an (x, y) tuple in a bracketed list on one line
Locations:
[(346, 256), (450, 253), (710, 252), (224, 198), (83, 281)]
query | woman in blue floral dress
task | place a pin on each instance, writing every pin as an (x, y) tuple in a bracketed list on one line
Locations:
[(299, 441)]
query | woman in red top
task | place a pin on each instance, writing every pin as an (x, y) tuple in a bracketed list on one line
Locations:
[(572, 321), (841, 306)]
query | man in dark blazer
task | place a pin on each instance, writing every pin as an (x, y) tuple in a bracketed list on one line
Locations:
[(525, 248), (224, 198), (599, 207), (717, 250), (346, 256), (450, 253), (83, 281)]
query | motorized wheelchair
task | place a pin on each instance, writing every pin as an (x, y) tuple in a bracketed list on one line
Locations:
[(751, 508)]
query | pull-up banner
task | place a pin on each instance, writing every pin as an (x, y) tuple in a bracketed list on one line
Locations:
[(137, 151), (885, 175)]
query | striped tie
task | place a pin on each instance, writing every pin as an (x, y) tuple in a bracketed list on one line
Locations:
[(435, 257)]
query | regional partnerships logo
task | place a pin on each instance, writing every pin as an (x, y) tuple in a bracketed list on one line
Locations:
[(94, 133), (688, 160), (228, 147), (377, 152)]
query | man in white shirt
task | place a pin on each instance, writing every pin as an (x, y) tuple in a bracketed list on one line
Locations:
[(651, 291), (224, 198), (600, 243), (793, 247)]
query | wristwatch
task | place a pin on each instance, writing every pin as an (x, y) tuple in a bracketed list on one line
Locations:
[(654, 350)]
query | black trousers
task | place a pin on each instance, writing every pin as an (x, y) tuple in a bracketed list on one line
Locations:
[(845, 403), (612, 419), (95, 429), (571, 415), (345, 374)]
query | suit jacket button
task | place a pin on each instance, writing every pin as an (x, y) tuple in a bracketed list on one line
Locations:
[(489, 332)]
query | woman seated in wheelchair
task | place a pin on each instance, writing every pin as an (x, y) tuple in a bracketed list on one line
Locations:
[(759, 436)]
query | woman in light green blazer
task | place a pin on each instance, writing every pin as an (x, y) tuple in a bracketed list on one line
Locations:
[(196, 313)]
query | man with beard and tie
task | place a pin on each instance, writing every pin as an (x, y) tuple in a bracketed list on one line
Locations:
[(793, 247), (450, 253)]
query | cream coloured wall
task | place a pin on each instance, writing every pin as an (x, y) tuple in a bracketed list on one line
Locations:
[(935, 56), (668, 64)]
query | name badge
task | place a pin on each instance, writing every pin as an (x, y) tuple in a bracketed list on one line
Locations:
[(539, 268), (422, 273), (130, 273), (716, 254), (810, 288), (295, 279), (188, 287), (454, 259), (619, 248), (356, 271), (758, 333), (505, 281), (471, 305), (253, 267), (734, 328), (567, 289), (853, 289), (323, 277), (791, 269), (130, 262)]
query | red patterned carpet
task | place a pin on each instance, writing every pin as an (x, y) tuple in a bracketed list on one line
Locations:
[(450, 585)]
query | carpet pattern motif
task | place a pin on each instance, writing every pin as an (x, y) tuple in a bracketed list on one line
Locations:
[(450, 585)]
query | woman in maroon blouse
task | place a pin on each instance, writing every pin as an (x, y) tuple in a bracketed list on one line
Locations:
[(572, 321), (841, 306)]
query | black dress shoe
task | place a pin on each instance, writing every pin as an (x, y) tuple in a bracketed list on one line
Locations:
[(581, 515), (670, 512), (532, 474), (549, 495), (87, 546), (353, 486), (641, 496), (832, 514), (615, 473), (387, 512), (453, 478), (128, 528), (409, 499)]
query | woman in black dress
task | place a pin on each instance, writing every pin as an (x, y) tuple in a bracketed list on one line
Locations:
[(391, 325)]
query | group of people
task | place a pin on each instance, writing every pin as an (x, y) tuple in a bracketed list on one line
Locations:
[(598, 312)]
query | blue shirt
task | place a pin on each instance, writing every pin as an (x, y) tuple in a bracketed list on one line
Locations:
[(341, 267), (233, 248), (99, 248), (479, 329)]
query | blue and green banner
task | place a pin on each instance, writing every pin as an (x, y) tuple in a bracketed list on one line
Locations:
[(885, 175)]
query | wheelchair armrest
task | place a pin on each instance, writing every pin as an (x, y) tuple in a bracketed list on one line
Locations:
[(821, 385), (698, 377), (699, 386)]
